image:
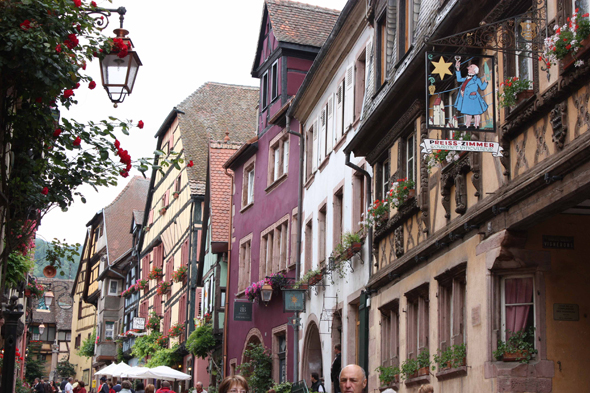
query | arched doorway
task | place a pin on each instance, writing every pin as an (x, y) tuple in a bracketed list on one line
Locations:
[(312, 353), (254, 337)]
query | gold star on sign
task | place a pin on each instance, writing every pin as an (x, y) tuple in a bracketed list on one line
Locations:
[(441, 68), (294, 299)]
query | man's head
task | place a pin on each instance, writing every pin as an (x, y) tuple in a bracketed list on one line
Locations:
[(337, 348), (472, 69), (315, 377), (352, 379), (103, 379), (70, 380), (36, 380), (166, 384), (199, 386)]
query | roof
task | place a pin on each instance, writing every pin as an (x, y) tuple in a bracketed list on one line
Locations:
[(138, 217), (220, 188), (119, 213), (211, 111), (300, 23)]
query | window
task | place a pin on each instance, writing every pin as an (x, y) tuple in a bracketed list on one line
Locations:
[(338, 213), (294, 225), (248, 183), (109, 330), (76, 344), (518, 304), (177, 184), (308, 245), (113, 288), (275, 80), (359, 94), (322, 235), (451, 307), (264, 91), (309, 150), (383, 171), (409, 11), (37, 337), (382, 49), (279, 344), (582, 5), (390, 335), (244, 273), (339, 113), (411, 157), (278, 161), (359, 201), (273, 248), (41, 306), (417, 321), (68, 336)]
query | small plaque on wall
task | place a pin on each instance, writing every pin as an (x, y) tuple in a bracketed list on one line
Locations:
[(242, 311), (566, 312), (563, 242)]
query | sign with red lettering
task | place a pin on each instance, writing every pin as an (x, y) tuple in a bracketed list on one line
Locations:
[(460, 93), (428, 145)]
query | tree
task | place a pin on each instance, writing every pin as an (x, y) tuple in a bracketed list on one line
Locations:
[(34, 368), (65, 369), (258, 368), (201, 342), (45, 46)]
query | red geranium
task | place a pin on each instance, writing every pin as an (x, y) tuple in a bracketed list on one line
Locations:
[(190, 163), (68, 93), (92, 85), (26, 25), (77, 141), (140, 124), (57, 132), (45, 191)]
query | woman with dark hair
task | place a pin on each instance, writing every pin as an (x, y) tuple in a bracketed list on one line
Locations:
[(233, 384), (140, 388), (82, 388)]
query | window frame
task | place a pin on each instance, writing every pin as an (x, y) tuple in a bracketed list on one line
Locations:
[(390, 334), (503, 305), (381, 49), (275, 80), (452, 313), (248, 183), (278, 158), (109, 330), (417, 320), (244, 265), (264, 91), (116, 292)]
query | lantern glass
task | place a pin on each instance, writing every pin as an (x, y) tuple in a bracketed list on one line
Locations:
[(41, 328), (118, 75), (49, 298), (266, 293)]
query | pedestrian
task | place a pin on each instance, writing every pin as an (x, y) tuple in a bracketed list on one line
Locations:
[(426, 389), (111, 388), (36, 386), (165, 388), (104, 387), (47, 387), (336, 367), (76, 386), (62, 386), (233, 384), (199, 387), (125, 387), (140, 388), (353, 379), (117, 387), (316, 384), (69, 388), (82, 387), (150, 388)]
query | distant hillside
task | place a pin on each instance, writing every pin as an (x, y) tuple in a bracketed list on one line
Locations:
[(69, 269)]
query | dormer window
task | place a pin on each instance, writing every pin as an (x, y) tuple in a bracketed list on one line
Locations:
[(275, 80), (264, 90)]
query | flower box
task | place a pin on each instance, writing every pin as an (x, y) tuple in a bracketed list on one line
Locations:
[(514, 356), (27, 292), (164, 288), (156, 274), (315, 279), (163, 211), (524, 95), (569, 60), (175, 194), (422, 371)]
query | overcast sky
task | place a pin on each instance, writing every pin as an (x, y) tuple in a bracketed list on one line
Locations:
[(182, 44)]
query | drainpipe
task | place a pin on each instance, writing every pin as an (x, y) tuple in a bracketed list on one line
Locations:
[(298, 249), (229, 244), (368, 203)]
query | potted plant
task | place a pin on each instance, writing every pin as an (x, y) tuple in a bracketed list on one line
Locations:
[(409, 368), (162, 341), (452, 357), (164, 288), (163, 210), (519, 347), (377, 213), (352, 242), (33, 289), (278, 280), (388, 375), (570, 42), (180, 274), (423, 362), (144, 285), (401, 191), (313, 276), (253, 291), (175, 194), (109, 339), (514, 91), (176, 331), (156, 274), (154, 322)]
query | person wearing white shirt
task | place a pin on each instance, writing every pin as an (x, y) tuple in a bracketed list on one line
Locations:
[(69, 388)]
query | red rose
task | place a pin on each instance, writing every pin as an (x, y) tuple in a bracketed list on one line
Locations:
[(26, 25), (585, 15), (140, 124), (57, 132), (77, 141), (93, 3), (124, 173), (78, 3), (94, 54), (68, 93), (39, 100), (92, 85), (190, 163), (77, 85), (45, 191), (79, 28), (117, 144), (128, 167)]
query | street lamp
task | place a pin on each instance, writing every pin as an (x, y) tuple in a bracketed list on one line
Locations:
[(48, 298), (41, 328), (266, 293)]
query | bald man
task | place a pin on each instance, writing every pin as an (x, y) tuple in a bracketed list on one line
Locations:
[(352, 379)]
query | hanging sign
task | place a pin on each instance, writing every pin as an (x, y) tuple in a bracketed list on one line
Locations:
[(242, 311), (445, 144), (460, 93)]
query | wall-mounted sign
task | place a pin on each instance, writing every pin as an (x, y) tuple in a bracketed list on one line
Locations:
[(460, 93), (138, 323), (242, 311), (293, 300), (566, 312), (563, 242), (445, 144)]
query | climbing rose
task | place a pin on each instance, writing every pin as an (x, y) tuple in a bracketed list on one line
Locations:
[(78, 3), (77, 141), (77, 85), (26, 25), (92, 85), (124, 173), (45, 191), (117, 144), (140, 124), (68, 93), (93, 3), (190, 163), (57, 132)]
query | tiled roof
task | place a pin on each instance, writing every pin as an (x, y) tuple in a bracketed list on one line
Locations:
[(220, 188), (119, 213), (211, 111), (300, 23)]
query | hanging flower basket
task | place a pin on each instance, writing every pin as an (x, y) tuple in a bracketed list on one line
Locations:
[(156, 274), (144, 285), (35, 290), (164, 288), (180, 274), (154, 322), (175, 194), (176, 330)]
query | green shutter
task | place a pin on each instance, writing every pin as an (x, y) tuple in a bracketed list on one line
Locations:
[(364, 333)]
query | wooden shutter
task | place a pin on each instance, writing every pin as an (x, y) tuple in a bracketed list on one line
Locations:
[(330, 124), (368, 75), (151, 217), (158, 304), (323, 135), (169, 269), (315, 145), (145, 267), (166, 198), (339, 108), (185, 252), (349, 97), (363, 343)]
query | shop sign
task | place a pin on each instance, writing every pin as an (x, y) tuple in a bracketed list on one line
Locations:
[(294, 300), (138, 323), (450, 144), (562, 242), (242, 311), (460, 93)]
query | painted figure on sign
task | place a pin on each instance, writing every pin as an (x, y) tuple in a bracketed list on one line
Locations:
[(469, 101)]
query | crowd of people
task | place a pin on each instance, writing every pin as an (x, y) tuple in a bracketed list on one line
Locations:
[(68, 385)]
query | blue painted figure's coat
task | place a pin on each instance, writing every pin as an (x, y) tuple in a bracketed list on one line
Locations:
[(471, 102)]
